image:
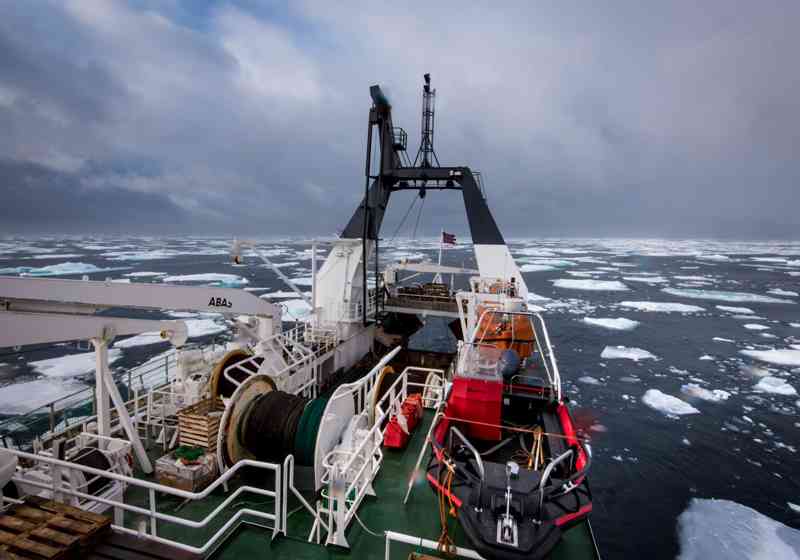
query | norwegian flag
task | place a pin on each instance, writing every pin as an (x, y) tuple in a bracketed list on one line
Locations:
[(448, 238)]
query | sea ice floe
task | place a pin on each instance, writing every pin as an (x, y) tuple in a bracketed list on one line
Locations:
[(720, 339), (667, 404), (706, 357), (181, 314), (303, 281), (769, 259), (213, 278), (775, 385), (646, 279), (536, 298), (148, 255), (55, 256), (72, 365), (696, 279), (779, 356), (20, 398), (661, 306), (280, 294), (591, 285), (717, 258), (60, 269), (589, 380), (553, 263), (144, 274), (536, 268), (717, 529), (723, 295), (714, 395), (755, 327), (295, 310), (195, 327), (795, 325), (623, 352), (782, 292), (739, 310), (618, 324)]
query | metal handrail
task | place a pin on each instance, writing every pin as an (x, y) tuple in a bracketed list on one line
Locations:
[(465, 441), (547, 355), (278, 517), (548, 470)]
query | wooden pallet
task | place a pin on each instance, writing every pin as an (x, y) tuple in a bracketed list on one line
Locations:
[(198, 424), (44, 529)]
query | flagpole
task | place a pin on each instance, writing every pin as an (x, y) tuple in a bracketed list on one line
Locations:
[(441, 246)]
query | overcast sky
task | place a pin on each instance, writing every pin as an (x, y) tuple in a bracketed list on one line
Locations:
[(619, 118)]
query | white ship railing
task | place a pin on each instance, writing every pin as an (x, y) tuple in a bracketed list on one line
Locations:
[(43, 422), (348, 482), (276, 517), (469, 354)]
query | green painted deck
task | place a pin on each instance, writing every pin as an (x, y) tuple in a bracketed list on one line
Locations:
[(420, 517)]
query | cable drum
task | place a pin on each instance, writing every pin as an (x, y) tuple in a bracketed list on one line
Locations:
[(96, 459), (277, 424), (305, 439)]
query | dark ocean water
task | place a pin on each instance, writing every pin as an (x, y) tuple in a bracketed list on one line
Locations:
[(741, 445)]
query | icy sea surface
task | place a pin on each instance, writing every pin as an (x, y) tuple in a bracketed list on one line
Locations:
[(681, 358)]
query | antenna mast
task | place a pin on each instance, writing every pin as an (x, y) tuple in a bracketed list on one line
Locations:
[(426, 156)]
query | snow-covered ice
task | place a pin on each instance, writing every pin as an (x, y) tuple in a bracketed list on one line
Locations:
[(280, 294), (623, 352), (591, 285), (782, 292), (775, 385), (536, 298), (144, 274), (722, 529), (72, 365), (618, 324), (715, 257), (646, 279), (295, 310), (589, 380), (720, 295), (713, 395), (536, 268), (195, 327), (60, 269), (303, 281), (755, 327), (778, 356), (667, 404), (739, 310), (228, 280), (21, 398), (662, 306)]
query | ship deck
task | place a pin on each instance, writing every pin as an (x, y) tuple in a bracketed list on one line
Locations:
[(386, 511)]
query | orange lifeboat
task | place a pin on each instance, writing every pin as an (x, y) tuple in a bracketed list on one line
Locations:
[(506, 331)]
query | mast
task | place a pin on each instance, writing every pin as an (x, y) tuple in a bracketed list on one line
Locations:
[(426, 156)]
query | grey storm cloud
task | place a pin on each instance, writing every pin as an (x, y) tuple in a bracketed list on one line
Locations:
[(627, 118)]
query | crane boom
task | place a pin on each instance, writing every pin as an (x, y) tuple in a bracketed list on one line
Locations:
[(17, 293)]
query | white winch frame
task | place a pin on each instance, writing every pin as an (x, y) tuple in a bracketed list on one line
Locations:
[(346, 476)]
